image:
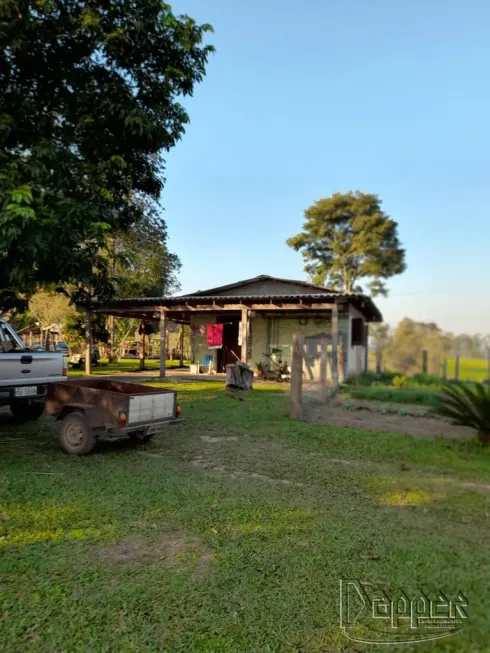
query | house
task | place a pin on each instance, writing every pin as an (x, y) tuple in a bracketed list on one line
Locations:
[(259, 316)]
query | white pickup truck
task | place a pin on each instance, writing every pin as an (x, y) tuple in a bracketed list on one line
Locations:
[(25, 374)]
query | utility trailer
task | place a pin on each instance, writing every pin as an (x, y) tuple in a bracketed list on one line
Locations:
[(95, 409)]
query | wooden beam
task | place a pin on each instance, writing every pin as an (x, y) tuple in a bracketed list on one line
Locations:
[(88, 343), (335, 347), (182, 346), (296, 411), (207, 308), (323, 368), (163, 351), (243, 355)]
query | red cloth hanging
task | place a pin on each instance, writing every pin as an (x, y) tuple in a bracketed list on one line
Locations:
[(215, 336)]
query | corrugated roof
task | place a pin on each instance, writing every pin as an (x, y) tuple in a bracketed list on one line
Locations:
[(363, 303), (262, 277)]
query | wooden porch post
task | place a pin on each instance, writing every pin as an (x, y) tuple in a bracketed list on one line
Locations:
[(297, 376), (181, 345), (243, 355), (335, 347), (163, 351), (323, 368), (88, 343), (142, 352)]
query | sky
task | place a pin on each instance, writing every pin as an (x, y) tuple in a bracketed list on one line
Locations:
[(304, 99)]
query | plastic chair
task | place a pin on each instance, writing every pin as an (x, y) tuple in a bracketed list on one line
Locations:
[(206, 361)]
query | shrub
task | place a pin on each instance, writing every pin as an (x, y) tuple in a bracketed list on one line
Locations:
[(427, 379), (400, 381), (387, 395), (468, 405)]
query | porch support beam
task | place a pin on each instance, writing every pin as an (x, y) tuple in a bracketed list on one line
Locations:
[(163, 351), (88, 343), (244, 335), (335, 347)]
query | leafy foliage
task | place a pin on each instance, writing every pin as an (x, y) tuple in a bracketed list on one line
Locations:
[(346, 238), (468, 405), (74, 328), (144, 266), (89, 99)]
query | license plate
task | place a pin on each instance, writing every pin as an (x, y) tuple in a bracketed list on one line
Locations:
[(26, 391), (156, 428)]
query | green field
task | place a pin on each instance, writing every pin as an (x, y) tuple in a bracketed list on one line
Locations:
[(473, 369), (231, 533)]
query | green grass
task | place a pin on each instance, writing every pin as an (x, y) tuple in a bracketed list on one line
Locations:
[(122, 366), (230, 533), (472, 369)]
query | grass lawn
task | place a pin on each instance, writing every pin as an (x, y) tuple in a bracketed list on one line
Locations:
[(230, 534), (122, 366)]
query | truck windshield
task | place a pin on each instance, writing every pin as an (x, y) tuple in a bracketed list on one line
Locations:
[(9, 340)]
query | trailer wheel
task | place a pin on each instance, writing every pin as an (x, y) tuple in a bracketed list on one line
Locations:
[(23, 410), (76, 436), (138, 437)]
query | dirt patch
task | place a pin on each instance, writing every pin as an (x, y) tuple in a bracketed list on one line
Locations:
[(176, 549), (334, 414), (209, 438), (208, 465)]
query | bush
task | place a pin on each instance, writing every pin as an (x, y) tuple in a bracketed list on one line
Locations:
[(426, 379), (468, 405), (403, 396), (400, 381)]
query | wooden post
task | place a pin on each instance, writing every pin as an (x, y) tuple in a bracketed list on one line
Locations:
[(323, 368), (243, 356), (366, 350), (456, 368), (181, 362), (444, 370), (379, 362), (88, 343), (142, 352), (425, 361), (335, 347), (163, 351), (342, 350), (297, 375)]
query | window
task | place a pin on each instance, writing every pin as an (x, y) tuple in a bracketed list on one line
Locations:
[(358, 336)]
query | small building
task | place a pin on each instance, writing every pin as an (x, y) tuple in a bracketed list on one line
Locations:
[(259, 317)]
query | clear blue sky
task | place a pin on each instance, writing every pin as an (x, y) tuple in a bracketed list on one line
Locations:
[(304, 99)]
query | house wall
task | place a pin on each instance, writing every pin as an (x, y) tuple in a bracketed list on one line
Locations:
[(356, 358), (267, 332), (199, 346)]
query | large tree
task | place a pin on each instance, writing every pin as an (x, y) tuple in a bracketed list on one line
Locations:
[(89, 100), (346, 238)]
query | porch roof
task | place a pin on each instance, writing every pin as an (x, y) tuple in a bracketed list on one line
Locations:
[(183, 306)]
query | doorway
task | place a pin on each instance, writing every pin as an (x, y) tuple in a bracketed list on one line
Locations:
[(231, 350)]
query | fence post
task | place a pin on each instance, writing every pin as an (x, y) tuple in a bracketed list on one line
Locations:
[(425, 360), (444, 370), (456, 368), (296, 375), (379, 362), (323, 368)]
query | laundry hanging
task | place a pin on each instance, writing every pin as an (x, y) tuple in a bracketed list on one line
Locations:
[(215, 336)]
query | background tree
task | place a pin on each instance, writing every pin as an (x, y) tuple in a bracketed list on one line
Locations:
[(347, 238), (89, 100), (143, 265)]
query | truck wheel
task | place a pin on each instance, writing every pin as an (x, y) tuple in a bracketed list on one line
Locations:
[(76, 437), (24, 410), (140, 436)]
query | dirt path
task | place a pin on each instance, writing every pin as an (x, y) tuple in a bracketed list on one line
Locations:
[(334, 414)]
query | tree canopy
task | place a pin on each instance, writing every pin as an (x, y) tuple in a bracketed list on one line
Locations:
[(89, 101), (346, 238)]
